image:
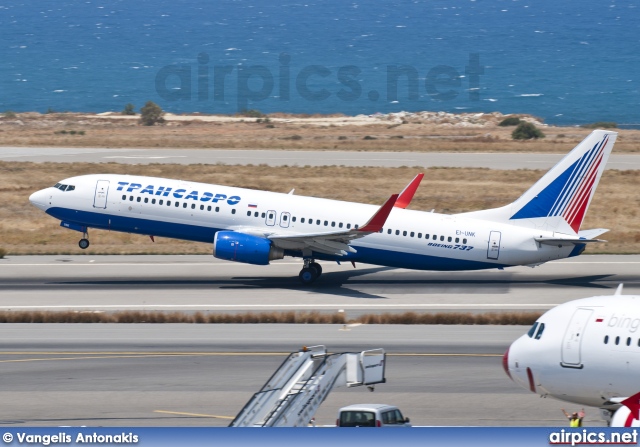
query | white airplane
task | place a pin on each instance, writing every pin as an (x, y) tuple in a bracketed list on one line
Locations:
[(256, 227), (586, 352)]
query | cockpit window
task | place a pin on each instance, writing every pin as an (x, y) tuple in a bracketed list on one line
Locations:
[(62, 187), (532, 330), (540, 331)]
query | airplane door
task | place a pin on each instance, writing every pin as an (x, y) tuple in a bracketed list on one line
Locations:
[(493, 251), (573, 338), (284, 219), (271, 218), (100, 197)]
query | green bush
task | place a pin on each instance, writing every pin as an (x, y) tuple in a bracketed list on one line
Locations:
[(251, 113), (129, 109), (369, 137), (151, 114), (526, 131), (9, 114), (510, 121), (601, 125)]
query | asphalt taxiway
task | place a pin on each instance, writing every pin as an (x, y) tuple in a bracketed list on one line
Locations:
[(202, 375), (299, 158), (190, 283)]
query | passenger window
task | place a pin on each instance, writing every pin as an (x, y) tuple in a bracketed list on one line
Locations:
[(255, 214), (426, 236), (389, 231), (464, 241), (302, 220), (318, 222), (184, 205), (124, 197), (340, 225), (130, 198), (419, 235), (435, 237), (146, 200), (168, 202), (193, 206), (177, 204), (249, 213), (355, 226), (442, 238), (153, 201), (138, 199), (404, 233), (397, 232), (333, 224), (326, 223), (161, 202), (284, 217), (412, 234), (348, 226), (293, 219), (217, 209), (629, 341), (209, 208), (617, 341), (263, 215), (449, 239), (606, 340), (233, 211), (201, 207), (457, 240)]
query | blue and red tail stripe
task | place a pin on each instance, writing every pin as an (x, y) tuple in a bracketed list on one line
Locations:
[(569, 194)]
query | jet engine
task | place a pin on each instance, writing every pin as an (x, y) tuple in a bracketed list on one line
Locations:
[(239, 247)]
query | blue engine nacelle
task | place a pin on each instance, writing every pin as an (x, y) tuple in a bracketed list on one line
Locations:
[(239, 247)]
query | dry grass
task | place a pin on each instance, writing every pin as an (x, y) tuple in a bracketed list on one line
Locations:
[(314, 317), (46, 130), (26, 230)]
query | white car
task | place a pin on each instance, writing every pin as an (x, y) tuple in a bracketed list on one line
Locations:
[(371, 415)]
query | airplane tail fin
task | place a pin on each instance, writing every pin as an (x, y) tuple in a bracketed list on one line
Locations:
[(560, 199)]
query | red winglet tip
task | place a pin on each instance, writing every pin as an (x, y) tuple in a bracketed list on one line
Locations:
[(378, 220), (408, 192)]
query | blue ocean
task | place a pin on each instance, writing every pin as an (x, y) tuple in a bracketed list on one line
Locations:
[(566, 62)]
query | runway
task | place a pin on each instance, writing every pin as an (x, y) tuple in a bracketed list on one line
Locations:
[(202, 375), (190, 283), (299, 158)]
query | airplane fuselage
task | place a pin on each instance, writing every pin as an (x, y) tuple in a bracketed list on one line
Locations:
[(196, 211)]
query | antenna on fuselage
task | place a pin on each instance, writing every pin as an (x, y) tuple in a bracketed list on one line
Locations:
[(619, 290)]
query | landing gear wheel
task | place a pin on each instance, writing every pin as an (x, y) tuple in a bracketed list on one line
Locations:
[(84, 243), (318, 267), (308, 275)]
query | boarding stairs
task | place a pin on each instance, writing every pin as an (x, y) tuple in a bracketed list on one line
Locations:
[(293, 394)]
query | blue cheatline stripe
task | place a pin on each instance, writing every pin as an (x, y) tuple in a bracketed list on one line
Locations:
[(135, 225), (584, 164), (204, 234)]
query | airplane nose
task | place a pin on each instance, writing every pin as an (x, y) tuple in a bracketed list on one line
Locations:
[(505, 363), (39, 199)]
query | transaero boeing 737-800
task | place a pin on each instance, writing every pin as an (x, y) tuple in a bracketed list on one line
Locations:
[(256, 227), (586, 352)]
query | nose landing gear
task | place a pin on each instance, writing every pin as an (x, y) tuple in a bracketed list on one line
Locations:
[(310, 272)]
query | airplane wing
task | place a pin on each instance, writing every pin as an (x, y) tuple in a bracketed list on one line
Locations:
[(335, 242), (408, 192)]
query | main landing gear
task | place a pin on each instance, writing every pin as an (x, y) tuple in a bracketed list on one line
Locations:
[(84, 242), (310, 272)]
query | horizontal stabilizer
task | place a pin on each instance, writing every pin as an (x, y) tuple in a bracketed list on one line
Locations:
[(592, 234), (558, 240)]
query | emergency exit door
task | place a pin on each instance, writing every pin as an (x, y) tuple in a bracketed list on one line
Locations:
[(102, 191), (493, 251)]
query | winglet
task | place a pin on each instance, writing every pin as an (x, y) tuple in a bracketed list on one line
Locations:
[(378, 220), (407, 193), (633, 404)]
